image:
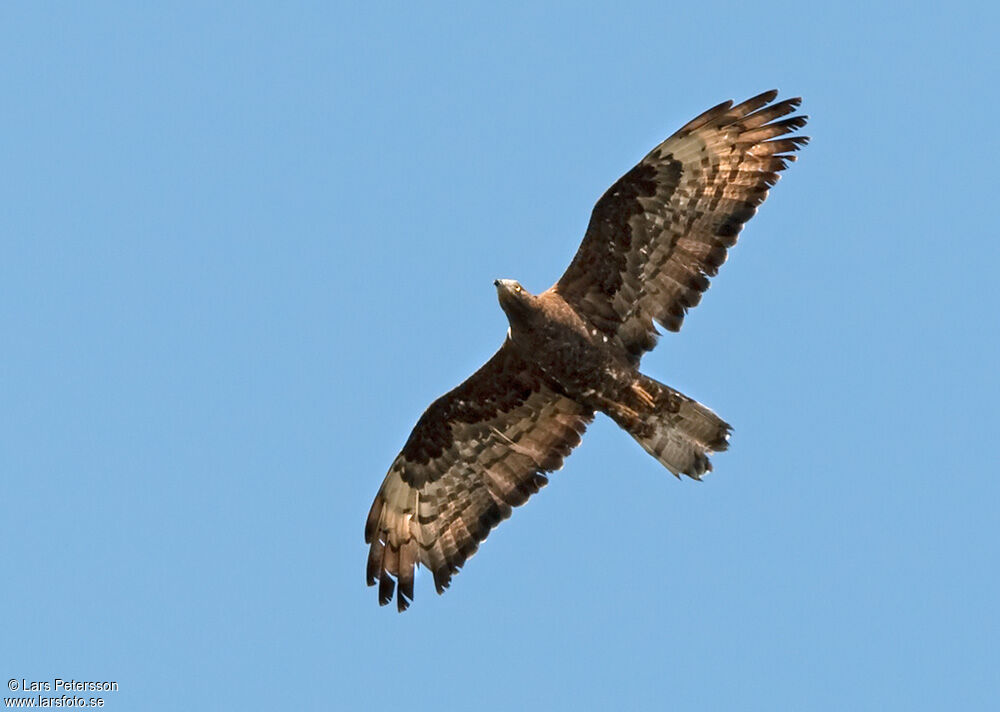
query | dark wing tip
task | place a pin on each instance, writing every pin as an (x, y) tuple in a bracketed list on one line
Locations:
[(791, 123), (402, 602), (386, 586), (799, 141), (404, 575), (705, 117), (373, 570), (442, 578), (721, 441), (755, 102)]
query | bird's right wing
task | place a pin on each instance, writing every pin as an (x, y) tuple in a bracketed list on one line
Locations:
[(475, 453)]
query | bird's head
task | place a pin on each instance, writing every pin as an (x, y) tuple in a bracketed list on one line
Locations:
[(515, 300)]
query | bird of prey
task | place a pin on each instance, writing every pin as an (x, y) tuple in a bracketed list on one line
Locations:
[(654, 239)]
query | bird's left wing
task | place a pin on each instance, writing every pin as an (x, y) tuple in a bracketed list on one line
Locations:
[(659, 233), (475, 453)]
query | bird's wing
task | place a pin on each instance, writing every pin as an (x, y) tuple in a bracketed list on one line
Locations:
[(659, 233), (475, 453)]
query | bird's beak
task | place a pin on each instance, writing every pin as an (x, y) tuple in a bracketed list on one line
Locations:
[(496, 282)]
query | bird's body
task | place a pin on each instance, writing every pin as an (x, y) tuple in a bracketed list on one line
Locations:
[(654, 239), (578, 362), (548, 333)]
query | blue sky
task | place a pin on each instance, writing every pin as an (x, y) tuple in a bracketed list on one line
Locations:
[(245, 247)]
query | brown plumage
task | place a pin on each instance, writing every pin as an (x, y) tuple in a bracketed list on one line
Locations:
[(654, 239)]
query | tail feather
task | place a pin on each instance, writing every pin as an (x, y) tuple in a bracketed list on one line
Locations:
[(676, 430)]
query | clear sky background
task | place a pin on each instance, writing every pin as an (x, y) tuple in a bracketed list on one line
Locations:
[(244, 247)]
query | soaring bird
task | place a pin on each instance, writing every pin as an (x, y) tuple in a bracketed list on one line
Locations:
[(654, 240)]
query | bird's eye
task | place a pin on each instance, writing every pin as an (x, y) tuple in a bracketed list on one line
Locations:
[(517, 287)]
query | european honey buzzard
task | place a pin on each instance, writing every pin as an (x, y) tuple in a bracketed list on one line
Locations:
[(654, 239)]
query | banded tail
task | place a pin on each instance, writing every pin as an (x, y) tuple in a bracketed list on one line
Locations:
[(676, 430)]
